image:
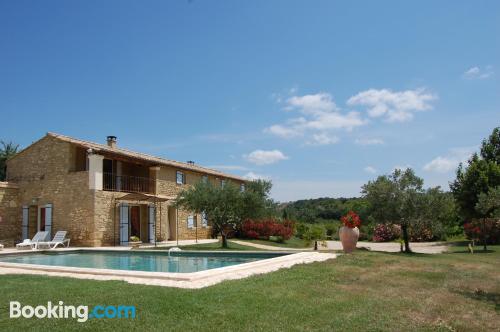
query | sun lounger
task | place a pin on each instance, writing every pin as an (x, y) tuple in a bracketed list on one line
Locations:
[(32, 244), (58, 240)]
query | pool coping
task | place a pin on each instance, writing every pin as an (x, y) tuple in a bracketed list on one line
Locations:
[(195, 280)]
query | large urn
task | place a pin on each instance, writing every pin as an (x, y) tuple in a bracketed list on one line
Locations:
[(349, 238)]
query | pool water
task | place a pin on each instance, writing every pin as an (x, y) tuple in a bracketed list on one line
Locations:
[(182, 262)]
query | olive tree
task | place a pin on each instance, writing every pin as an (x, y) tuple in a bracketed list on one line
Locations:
[(226, 207), (396, 199)]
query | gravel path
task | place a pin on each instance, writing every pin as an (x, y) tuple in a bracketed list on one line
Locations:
[(419, 247)]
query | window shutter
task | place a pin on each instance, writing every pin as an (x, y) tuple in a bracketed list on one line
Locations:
[(151, 223), (124, 224), (26, 214), (204, 220), (48, 219)]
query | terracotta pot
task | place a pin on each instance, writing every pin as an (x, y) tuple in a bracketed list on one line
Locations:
[(349, 238)]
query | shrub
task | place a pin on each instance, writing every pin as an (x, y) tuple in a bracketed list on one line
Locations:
[(314, 232), (421, 234), (134, 239), (331, 230), (264, 229), (386, 232), (301, 229), (480, 229)]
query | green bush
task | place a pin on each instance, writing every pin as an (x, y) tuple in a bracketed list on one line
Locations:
[(315, 232)]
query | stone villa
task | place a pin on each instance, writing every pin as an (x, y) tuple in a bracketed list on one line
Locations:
[(101, 194)]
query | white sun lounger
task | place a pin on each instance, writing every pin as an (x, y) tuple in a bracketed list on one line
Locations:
[(31, 244), (59, 239)]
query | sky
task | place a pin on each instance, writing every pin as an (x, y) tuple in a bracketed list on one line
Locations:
[(317, 96)]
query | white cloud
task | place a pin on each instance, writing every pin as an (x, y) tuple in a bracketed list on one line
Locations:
[(319, 115), (370, 169), (478, 73), (253, 176), (449, 162), (262, 157), (322, 139), (369, 141), (283, 131), (397, 106), (441, 165), (311, 104)]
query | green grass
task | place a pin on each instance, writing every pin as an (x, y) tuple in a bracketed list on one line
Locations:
[(362, 291), (292, 243)]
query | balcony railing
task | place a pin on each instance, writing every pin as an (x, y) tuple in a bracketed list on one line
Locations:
[(127, 183)]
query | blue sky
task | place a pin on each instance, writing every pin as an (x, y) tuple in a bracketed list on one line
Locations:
[(319, 96)]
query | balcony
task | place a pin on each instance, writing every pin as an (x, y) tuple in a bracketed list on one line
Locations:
[(127, 183)]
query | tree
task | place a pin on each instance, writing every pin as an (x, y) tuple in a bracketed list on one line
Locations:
[(7, 151), (481, 174), (396, 199), (227, 206), (488, 204)]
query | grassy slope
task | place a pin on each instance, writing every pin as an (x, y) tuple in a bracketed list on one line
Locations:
[(364, 291)]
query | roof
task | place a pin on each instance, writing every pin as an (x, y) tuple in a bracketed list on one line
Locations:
[(141, 156)]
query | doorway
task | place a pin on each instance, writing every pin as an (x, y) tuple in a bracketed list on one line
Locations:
[(135, 221), (41, 219)]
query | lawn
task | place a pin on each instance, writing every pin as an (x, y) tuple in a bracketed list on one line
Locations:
[(363, 291), (292, 243)]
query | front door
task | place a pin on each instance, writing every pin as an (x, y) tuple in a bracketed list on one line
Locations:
[(135, 221), (41, 216)]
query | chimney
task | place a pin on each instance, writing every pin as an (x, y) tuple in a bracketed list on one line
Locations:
[(111, 141)]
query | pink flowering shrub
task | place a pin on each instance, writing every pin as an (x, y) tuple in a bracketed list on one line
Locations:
[(386, 232)]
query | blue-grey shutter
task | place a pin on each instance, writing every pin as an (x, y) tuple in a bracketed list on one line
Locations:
[(204, 220), (151, 223), (48, 219), (124, 224), (26, 213)]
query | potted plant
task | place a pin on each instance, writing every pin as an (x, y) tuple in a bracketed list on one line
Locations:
[(349, 233), (135, 242)]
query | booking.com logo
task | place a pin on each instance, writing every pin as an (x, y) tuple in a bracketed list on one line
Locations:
[(81, 313)]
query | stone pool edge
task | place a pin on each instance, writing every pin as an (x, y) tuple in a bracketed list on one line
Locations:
[(193, 280)]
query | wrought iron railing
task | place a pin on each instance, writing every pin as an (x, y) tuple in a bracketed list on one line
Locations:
[(127, 183)]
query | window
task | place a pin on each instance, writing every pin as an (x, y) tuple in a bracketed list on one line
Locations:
[(180, 178), (204, 220), (191, 222), (242, 187), (222, 183), (204, 179)]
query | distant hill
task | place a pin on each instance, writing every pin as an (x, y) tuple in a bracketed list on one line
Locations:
[(323, 209)]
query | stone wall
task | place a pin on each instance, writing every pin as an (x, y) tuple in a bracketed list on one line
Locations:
[(42, 172), (10, 214)]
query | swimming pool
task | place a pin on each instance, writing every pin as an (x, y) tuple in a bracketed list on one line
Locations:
[(150, 261)]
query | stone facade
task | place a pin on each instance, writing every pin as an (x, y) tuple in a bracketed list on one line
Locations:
[(52, 171), (10, 214)]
